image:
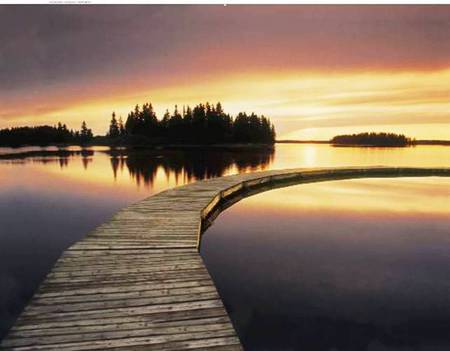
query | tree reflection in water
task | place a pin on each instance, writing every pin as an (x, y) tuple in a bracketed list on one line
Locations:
[(185, 165), (188, 165)]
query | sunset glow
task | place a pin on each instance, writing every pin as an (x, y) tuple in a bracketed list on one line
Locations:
[(388, 69)]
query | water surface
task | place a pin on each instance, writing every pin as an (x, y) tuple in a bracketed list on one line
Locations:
[(339, 265)]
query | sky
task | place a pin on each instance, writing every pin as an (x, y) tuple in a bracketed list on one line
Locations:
[(315, 71)]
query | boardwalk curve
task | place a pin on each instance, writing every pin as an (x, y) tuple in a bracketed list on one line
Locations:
[(137, 282)]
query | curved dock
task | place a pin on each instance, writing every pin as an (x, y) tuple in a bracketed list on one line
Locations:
[(138, 282)]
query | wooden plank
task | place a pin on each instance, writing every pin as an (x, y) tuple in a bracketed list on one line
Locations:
[(210, 325), (173, 318), (225, 331), (140, 319)]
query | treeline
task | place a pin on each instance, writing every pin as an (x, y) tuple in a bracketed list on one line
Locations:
[(45, 135), (372, 139), (203, 124)]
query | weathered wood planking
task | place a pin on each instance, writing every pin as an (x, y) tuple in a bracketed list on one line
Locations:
[(137, 282)]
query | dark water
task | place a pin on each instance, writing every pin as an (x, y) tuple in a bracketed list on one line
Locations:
[(344, 265), (51, 198)]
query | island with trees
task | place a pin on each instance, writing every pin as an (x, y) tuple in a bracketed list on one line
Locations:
[(204, 124), (372, 139), (45, 135)]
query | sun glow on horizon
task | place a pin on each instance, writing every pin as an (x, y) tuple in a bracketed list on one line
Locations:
[(302, 105)]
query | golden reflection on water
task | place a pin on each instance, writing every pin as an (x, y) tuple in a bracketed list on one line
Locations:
[(323, 155), (377, 197), (133, 175)]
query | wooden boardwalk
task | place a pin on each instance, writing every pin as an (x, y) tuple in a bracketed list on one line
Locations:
[(138, 282)]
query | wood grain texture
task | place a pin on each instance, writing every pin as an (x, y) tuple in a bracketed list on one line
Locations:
[(137, 282)]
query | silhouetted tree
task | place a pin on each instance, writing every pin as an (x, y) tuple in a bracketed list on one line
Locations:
[(114, 130), (63, 135), (85, 133), (122, 131), (175, 127)]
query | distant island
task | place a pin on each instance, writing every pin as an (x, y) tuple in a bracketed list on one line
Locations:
[(372, 139), (205, 124)]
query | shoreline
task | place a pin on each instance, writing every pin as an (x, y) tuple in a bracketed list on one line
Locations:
[(143, 146), (87, 150), (415, 143)]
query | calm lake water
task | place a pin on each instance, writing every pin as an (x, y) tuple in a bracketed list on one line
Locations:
[(344, 265), (49, 198)]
